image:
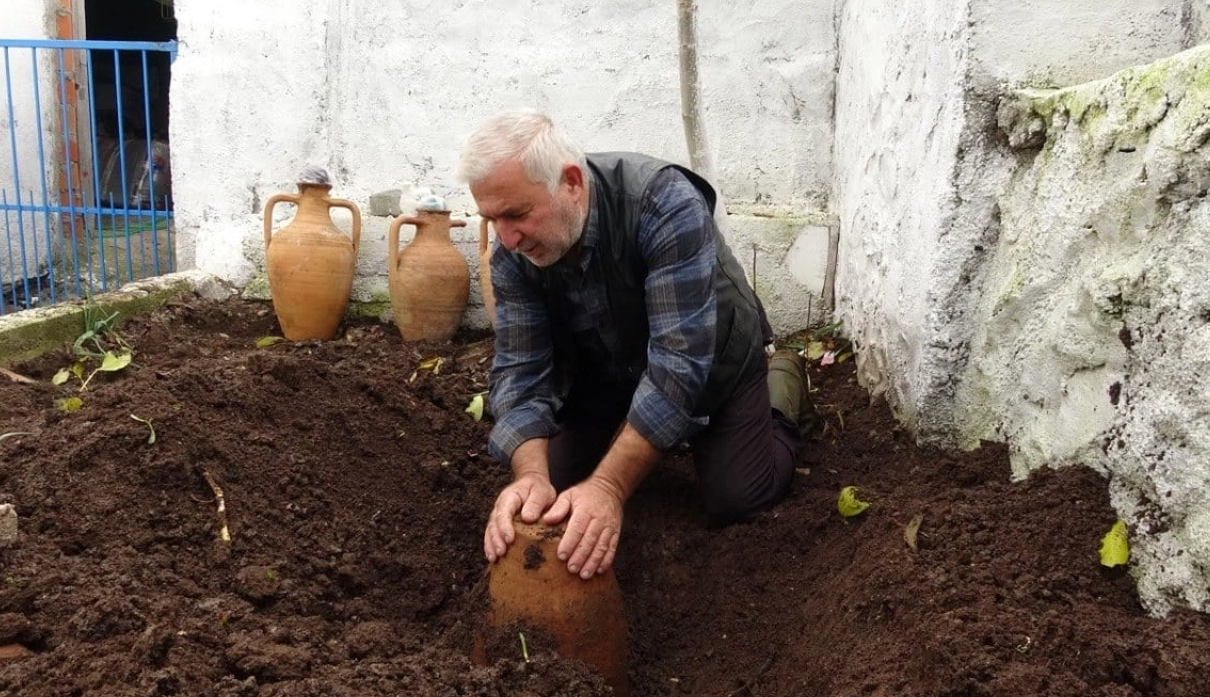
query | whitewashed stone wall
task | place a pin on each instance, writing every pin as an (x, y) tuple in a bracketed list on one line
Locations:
[(384, 94), (1093, 339), (939, 225)]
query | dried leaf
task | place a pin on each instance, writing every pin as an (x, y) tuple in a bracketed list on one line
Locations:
[(16, 377), (60, 377), (815, 350), (912, 530), (14, 434), (848, 504), (1115, 546)]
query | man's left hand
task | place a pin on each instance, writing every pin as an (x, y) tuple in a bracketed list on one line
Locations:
[(591, 539)]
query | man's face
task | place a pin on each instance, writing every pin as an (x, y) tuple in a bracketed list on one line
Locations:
[(528, 219)]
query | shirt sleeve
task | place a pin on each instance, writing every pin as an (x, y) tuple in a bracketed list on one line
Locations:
[(676, 238), (521, 388)]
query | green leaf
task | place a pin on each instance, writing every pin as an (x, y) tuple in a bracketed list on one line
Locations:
[(848, 504), (267, 341), (70, 405), (476, 407), (1115, 546), (815, 350), (78, 370), (61, 376), (111, 363)]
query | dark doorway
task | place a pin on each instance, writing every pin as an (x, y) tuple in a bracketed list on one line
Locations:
[(143, 97)]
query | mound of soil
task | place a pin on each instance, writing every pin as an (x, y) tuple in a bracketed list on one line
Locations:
[(355, 488)]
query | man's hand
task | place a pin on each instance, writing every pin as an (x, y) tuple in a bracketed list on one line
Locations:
[(591, 539), (530, 494)]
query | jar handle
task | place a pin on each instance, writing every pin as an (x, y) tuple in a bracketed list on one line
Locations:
[(273, 201), (483, 241), (352, 208), (393, 238)]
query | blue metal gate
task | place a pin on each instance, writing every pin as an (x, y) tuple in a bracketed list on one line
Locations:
[(85, 184)]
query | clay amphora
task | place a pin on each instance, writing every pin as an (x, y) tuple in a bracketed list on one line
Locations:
[(310, 263), (430, 280), (485, 273), (531, 586)]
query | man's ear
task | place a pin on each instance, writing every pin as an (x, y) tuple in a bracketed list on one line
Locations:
[(573, 177)]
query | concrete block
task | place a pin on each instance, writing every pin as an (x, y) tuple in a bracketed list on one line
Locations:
[(386, 203)]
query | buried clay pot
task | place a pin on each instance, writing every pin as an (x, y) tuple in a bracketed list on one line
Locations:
[(529, 586)]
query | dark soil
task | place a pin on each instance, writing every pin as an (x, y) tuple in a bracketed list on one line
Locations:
[(356, 486)]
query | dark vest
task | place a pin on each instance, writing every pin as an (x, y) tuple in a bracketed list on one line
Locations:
[(619, 181)]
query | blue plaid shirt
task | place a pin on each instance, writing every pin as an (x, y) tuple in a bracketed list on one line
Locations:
[(676, 237)]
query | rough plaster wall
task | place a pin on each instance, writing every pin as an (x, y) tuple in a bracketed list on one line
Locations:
[(899, 116), (1196, 20), (1056, 43), (24, 19), (1094, 335), (248, 112), (919, 168), (384, 94)]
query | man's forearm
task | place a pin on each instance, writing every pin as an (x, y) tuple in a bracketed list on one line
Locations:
[(530, 459), (627, 462)]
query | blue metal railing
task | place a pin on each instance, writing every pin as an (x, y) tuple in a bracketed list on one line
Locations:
[(86, 199)]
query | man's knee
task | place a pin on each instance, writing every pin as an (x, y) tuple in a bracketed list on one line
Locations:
[(733, 505)]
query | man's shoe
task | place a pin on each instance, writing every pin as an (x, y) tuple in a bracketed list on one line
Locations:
[(789, 389)]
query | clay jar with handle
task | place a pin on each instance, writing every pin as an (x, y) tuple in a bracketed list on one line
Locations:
[(485, 273), (310, 263), (429, 279), (530, 586)]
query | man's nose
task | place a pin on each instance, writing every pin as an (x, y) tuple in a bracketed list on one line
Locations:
[(508, 234)]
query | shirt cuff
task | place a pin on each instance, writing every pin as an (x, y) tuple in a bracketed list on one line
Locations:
[(659, 420), (517, 426)]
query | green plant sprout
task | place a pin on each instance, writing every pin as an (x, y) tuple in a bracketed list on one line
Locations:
[(110, 362), (99, 329), (99, 341), (150, 438)]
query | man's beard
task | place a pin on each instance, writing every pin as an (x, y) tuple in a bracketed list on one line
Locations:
[(570, 226)]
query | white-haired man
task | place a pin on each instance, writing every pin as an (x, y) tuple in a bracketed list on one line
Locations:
[(624, 327)]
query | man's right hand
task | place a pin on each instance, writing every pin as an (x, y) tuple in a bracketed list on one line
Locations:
[(531, 495)]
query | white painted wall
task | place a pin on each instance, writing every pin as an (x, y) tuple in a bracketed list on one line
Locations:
[(20, 137), (384, 94), (918, 165), (1050, 43), (899, 119), (1093, 343), (978, 294)]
